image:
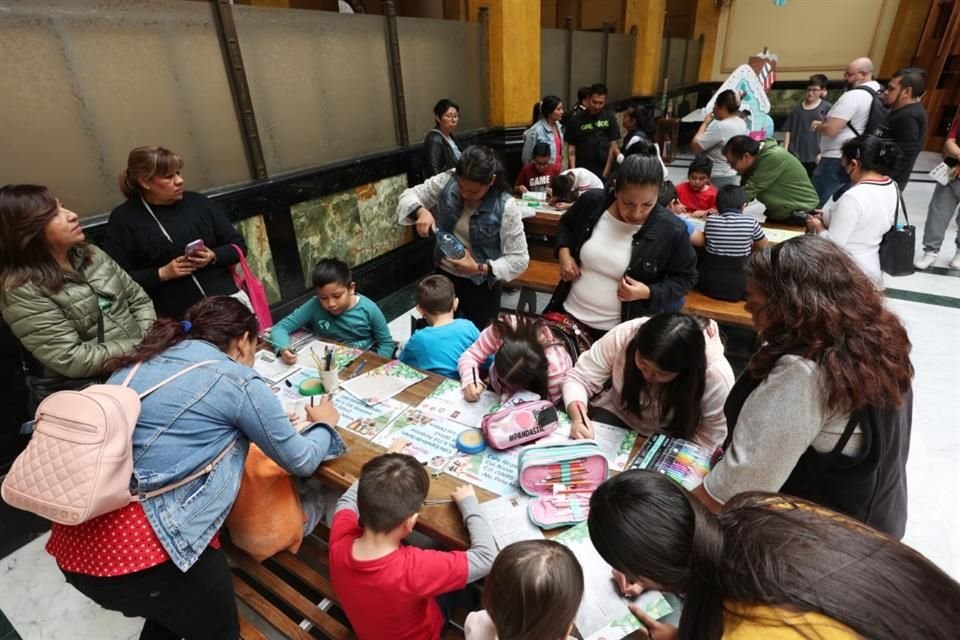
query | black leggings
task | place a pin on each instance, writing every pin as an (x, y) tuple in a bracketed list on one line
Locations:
[(479, 303), (199, 604)]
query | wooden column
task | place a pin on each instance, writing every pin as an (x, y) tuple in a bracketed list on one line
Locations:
[(706, 23), (647, 16)]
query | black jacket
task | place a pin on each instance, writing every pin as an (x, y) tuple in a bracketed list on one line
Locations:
[(437, 155), (662, 257)]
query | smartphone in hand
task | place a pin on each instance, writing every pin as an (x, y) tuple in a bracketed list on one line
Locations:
[(193, 247)]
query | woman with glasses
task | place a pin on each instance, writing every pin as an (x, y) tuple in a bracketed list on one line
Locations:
[(440, 150)]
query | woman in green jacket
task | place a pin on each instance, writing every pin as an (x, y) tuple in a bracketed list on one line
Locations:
[(70, 306)]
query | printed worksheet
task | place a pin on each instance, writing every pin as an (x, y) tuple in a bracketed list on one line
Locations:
[(616, 443), (364, 419), (508, 519), (431, 441), (495, 471), (447, 402), (271, 367), (383, 382)]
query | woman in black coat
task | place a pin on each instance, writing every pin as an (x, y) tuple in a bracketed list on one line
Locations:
[(440, 150)]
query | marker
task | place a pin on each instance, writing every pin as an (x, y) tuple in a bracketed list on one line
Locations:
[(288, 383), (359, 368)]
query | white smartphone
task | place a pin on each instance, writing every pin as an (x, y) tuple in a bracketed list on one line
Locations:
[(193, 247)]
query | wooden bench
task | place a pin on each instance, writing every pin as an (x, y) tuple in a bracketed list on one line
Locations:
[(544, 276)]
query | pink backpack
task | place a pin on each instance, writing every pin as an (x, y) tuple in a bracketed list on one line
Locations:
[(79, 462), (519, 421), (253, 287)]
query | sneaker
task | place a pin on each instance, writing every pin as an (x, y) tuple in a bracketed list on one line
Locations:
[(955, 263), (926, 261)]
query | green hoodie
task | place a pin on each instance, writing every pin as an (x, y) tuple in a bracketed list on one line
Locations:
[(780, 182)]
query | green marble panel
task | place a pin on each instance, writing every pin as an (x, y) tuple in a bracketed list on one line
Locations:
[(377, 204), (259, 256)]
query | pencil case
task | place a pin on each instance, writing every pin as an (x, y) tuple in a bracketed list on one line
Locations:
[(561, 477), (519, 421)]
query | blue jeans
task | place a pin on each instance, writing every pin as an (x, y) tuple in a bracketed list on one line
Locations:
[(828, 177)]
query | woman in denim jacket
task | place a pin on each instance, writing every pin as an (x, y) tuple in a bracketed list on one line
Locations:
[(160, 558), (546, 128)]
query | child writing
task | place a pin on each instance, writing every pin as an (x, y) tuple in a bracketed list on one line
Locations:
[(728, 238), (438, 346), (528, 357), (697, 195), (533, 592), (387, 589), (337, 313), (537, 174)]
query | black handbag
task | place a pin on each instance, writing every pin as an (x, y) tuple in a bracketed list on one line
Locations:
[(898, 244)]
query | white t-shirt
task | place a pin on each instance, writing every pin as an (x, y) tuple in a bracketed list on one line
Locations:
[(717, 135), (858, 220), (583, 179), (854, 107), (604, 258)]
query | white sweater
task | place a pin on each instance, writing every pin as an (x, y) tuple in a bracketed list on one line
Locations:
[(605, 362)]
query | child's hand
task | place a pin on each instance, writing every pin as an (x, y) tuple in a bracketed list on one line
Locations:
[(398, 445), (324, 412), (655, 629), (700, 213), (288, 356), (627, 588), (677, 207), (463, 492), (472, 392), (580, 425)]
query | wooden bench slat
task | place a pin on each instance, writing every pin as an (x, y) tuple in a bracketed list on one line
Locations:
[(271, 614), (249, 632), (313, 550), (303, 571)]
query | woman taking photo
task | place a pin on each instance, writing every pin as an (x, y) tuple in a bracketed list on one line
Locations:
[(440, 150), (71, 307), (861, 216), (824, 409), (160, 558), (546, 128), (473, 203), (176, 244), (768, 566), (717, 128), (664, 373), (622, 256)]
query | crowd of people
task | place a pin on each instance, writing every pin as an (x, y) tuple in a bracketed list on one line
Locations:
[(815, 433)]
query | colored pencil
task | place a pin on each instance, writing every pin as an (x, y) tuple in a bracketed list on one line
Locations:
[(359, 368), (316, 359)]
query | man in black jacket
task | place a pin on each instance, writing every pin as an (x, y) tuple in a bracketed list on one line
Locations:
[(907, 125)]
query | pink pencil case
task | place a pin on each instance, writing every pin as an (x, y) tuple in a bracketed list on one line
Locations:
[(561, 477)]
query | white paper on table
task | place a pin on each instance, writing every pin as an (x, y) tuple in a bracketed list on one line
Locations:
[(616, 443), (431, 441), (509, 520), (383, 382), (365, 420), (777, 236), (447, 402), (495, 471), (602, 606), (271, 367)]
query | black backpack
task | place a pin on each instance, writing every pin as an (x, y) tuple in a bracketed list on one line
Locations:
[(877, 120)]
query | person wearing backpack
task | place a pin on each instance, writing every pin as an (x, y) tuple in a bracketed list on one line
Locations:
[(159, 558), (860, 110)]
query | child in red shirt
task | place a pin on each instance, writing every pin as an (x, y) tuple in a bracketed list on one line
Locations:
[(387, 589), (536, 174), (697, 195)]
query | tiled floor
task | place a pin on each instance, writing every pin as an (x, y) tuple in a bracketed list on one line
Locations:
[(39, 605)]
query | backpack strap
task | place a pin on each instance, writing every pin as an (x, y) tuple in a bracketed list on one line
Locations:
[(210, 466), (170, 379)]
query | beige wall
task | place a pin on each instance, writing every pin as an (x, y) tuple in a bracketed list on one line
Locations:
[(810, 36)]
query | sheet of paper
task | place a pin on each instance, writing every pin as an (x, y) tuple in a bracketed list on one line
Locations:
[(779, 235), (509, 520), (495, 471), (616, 442), (342, 356), (383, 382), (271, 367), (447, 402), (603, 607), (363, 419), (432, 441)]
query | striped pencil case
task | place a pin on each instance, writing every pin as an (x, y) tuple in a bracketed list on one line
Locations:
[(561, 477)]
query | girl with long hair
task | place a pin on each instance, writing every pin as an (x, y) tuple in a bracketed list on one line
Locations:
[(768, 566), (824, 409), (546, 128), (663, 373)]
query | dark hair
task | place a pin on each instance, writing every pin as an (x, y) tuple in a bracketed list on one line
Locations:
[(521, 361), (480, 164), (144, 163), (583, 93), (598, 89), (545, 107), (561, 187), (217, 320), (392, 488), (25, 254), (643, 116), (700, 164), (739, 146), (674, 342), (728, 100), (914, 78), (541, 149), (435, 294), (821, 306), (533, 590), (639, 170), (668, 193), (873, 153), (332, 270), (442, 106), (819, 80), (767, 549), (730, 196)]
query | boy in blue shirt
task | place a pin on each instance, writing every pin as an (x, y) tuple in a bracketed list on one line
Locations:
[(337, 313), (438, 347)]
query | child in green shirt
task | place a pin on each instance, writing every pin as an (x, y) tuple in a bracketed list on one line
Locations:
[(337, 313)]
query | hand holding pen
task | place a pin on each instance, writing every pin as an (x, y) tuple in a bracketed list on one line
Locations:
[(580, 425), (472, 391)]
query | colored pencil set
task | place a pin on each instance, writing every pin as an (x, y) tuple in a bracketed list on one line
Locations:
[(684, 462)]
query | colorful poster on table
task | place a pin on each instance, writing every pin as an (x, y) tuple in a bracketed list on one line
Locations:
[(363, 419), (342, 356), (383, 382), (447, 402), (432, 441)]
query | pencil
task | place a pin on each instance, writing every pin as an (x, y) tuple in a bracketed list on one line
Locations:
[(316, 359), (359, 368), (474, 377)]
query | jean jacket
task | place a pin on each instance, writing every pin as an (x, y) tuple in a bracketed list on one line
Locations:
[(188, 422)]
